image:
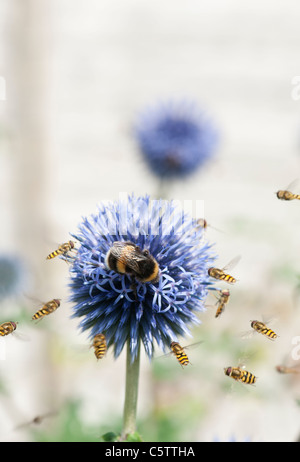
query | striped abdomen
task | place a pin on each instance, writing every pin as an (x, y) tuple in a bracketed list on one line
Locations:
[(54, 254), (180, 354), (247, 377), (99, 344), (47, 309), (219, 274), (62, 249), (261, 328), (268, 333), (220, 309)]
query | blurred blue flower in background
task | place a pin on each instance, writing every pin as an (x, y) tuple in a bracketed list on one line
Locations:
[(12, 276), (175, 138), (233, 439), (123, 308)]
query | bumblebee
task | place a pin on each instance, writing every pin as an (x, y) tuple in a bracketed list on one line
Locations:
[(287, 194), (240, 375), (99, 344), (261, 328), (223, 300), (48, 308), (217, 273), (180, 354), (7, 328), (128, 258), (61, 250)]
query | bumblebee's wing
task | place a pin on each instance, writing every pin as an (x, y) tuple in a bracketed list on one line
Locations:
[(117, 251), (135, 258), (232, 263)]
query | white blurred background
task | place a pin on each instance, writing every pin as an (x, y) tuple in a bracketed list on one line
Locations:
[(76, 75)]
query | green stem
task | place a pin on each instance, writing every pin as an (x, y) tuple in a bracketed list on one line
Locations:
[(131, 393)]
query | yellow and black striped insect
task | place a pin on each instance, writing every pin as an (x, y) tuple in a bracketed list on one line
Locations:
[(221, 274), (180, 354), (222, 301), (287, 194), (99, 344), (48, 308), (261, 328), (61, 250), (7, 328), (240, 375)]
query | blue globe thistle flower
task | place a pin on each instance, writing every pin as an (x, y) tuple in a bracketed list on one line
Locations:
[(175, 138), (118, 305), (233, 439)]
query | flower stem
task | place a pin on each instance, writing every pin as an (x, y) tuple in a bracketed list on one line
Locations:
[(131, 393)]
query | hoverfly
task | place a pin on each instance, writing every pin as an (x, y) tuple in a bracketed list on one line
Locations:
[(7, 328), (222, 301), (62, 249), (99, 345), (288, 194), (222, 274), (239, 374), (202, 223), (47, 308), (261, 328), (179, 352)]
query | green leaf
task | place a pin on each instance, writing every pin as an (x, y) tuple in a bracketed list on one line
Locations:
[(134, 438), (109, 437)]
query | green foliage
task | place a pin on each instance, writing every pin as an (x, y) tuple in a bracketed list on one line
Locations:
[(69, 427), (109, 437)]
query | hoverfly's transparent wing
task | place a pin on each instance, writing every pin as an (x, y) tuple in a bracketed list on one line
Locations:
[(246, 334), (202, 223), (191, 346), (294, 186), (232, 263), (21, 336)]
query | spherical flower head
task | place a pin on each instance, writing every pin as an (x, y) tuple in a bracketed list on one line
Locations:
[(121, 306), (175, 138)]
